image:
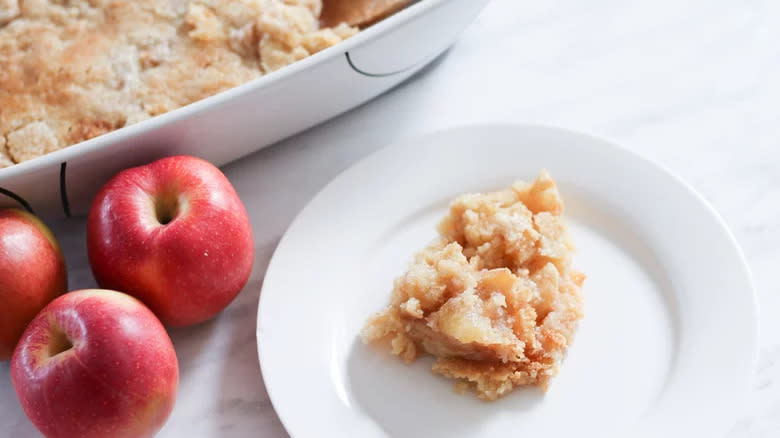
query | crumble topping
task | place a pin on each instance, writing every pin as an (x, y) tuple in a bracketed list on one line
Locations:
[(72, 70), (494, 298)]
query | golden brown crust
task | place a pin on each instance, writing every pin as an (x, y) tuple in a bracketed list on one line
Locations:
[(81, 68), (495, 298)]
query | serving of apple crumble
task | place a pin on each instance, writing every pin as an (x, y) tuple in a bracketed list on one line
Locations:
[(494, 298), (74, 69)]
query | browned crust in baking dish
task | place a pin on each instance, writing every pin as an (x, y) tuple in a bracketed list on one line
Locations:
[(495, 298), (71, 70)]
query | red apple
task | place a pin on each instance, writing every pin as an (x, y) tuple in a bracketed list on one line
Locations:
[(32, 273), (173, 234), (95, 363)]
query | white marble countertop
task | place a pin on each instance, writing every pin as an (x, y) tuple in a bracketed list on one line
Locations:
[(693, 85)]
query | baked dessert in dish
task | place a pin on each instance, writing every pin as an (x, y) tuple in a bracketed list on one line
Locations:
[(71, 70), (494, 298)]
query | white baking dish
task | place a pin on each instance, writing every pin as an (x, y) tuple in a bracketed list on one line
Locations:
[(236, 122)]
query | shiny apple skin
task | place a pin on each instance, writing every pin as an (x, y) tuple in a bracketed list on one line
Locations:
[(32, 273), (118, 378), (186, 269)]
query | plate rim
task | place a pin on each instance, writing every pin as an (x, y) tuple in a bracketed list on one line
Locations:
[(609, 145)]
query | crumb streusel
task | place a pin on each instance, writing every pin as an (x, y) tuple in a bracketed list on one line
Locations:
[(71, 70), (494, 298)]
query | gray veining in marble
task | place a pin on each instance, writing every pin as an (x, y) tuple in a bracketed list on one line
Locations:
[(693, 85)]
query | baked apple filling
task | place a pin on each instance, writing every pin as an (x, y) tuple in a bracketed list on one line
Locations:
[(494, 298)]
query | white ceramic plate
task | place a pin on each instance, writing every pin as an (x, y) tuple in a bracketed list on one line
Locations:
[(669, 339)]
